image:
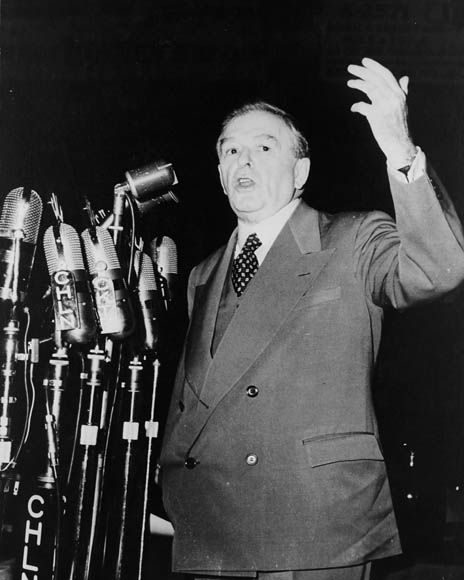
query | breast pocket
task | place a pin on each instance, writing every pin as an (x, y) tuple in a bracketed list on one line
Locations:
[(319, 297)]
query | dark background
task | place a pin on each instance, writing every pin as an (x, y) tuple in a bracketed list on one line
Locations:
[(92, 88)]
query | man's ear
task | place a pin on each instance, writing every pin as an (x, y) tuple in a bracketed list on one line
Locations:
[(221, 180), (301, 172)]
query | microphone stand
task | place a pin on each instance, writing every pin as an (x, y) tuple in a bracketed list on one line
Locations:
[(84, 492), (125, 512), (151, 431), (54, 387), (9, 358)]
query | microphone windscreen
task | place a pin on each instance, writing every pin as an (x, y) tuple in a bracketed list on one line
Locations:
[(164, 252), (71, 245), (112, 298), (104, 251), (145, 271), (22, 212)]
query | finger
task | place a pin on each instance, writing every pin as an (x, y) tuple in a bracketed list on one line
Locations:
[(404, 84), (364, 86), (381, 70), (373, 77), (361, 108)]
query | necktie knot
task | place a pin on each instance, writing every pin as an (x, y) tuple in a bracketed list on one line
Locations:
[(252, 243), (245, 264)]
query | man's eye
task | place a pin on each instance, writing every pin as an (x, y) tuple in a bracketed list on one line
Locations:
[(264, 147), (230, 151)]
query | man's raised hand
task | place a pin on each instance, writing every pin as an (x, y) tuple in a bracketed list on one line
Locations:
[(387, 112)]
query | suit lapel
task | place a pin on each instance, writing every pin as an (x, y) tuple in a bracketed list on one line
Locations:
[(292, 264), (198, 354)]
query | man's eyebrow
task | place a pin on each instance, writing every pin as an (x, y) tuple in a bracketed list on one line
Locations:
[(222, 141), (267, 136)]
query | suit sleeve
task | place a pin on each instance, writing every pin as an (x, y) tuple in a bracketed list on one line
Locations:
[(418, 258)]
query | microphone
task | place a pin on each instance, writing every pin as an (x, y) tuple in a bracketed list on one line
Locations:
[(19, 228), (149, 179), (112, 300), (72, 299), (142, 184), (164, 254), (149, 300)]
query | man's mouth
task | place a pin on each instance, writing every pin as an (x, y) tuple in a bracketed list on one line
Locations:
[(245, 182)]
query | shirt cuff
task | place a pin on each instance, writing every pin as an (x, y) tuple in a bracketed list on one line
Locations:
[(417, 169)]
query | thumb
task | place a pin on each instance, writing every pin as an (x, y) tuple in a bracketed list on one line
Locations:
[(361, 107), (404, 84)]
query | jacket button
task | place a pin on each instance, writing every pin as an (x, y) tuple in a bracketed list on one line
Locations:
[(191, 462), (252, 391), (251, 459)]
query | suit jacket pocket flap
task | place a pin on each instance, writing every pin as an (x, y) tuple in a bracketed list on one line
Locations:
[(349, 447)]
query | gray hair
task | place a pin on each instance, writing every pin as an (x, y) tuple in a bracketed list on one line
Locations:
[(301, 147)]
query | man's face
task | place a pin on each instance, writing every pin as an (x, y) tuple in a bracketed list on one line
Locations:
[(257, 165)]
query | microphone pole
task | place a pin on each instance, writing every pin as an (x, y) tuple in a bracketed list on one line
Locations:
[(84, 480), (151, 432), (9, 355), (124, 517)]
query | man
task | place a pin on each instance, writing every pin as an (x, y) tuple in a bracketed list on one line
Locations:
[(271, 465)]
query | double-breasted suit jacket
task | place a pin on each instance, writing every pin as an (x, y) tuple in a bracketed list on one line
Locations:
[(271, 458)]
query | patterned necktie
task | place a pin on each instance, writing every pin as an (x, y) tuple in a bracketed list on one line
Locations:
[(245, 264)]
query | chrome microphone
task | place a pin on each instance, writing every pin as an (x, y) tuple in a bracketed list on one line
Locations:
[(112, 300), (152, 178), (164, 254), (72, 299), (19, 227), (147, 186), (150, 300)]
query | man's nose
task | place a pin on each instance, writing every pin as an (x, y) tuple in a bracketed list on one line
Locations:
[(245, 157)]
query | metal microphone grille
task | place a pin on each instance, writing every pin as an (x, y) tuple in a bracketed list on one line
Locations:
[(103, 251), (146, 271), (19, 214), (72, 251), (165, 252)]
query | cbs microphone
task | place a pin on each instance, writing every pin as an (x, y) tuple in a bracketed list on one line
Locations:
[(164, 254), (72, 299), (112, 300), (19, 228)]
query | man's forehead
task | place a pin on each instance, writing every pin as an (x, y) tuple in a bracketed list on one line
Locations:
[(256, 124)]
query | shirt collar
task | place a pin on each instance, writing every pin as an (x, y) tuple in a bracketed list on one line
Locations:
[(266, 230)]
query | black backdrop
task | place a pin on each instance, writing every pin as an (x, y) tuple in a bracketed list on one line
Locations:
[(91, 88)]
